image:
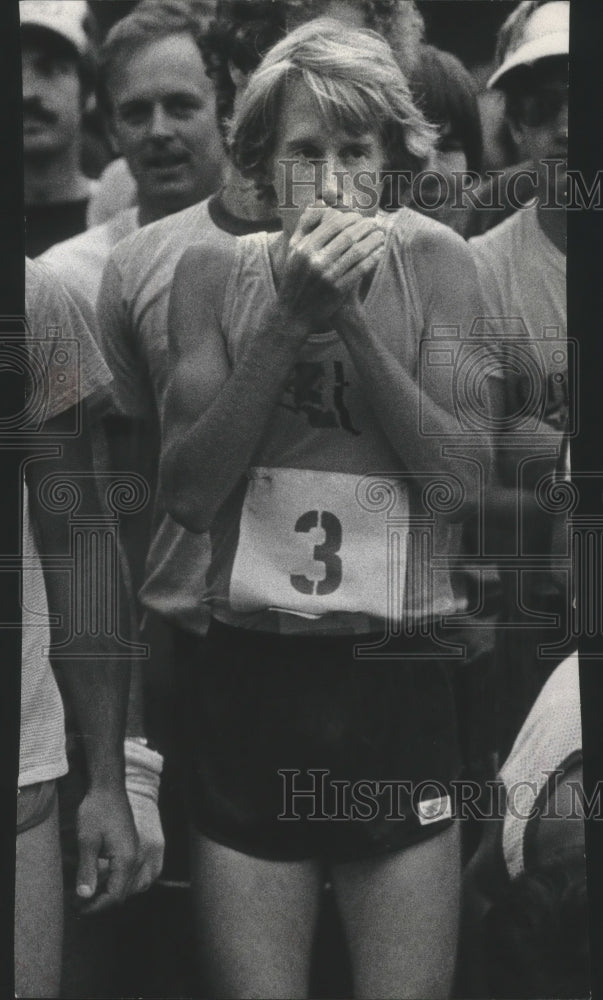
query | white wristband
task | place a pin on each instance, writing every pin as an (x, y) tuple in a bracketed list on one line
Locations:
[(143, 769)]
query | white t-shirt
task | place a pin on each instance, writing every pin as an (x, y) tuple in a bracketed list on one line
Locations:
[(523, 282), (522, 278), (79, 261), (42, 737), (550, 739), (115, 191), (42, 745), (522, 273)]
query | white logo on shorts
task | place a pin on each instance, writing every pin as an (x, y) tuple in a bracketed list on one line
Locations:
[(434, 810)]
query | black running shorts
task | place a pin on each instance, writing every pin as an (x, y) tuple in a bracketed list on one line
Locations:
[(295, 747)]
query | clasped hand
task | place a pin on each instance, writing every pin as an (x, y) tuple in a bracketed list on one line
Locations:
[(108, 849), (328, 256)]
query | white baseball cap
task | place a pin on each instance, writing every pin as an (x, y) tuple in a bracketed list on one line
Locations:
[(62, 17), (546, 33)]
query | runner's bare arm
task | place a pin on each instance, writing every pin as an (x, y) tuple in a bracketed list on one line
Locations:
[(215, 414), (97, 681)]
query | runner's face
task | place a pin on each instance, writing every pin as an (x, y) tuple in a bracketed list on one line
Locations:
[(51, 98), (349, 176), (164, 122)]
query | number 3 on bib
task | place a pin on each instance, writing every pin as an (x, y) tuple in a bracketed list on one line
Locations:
[(325, 553), (307, 546)]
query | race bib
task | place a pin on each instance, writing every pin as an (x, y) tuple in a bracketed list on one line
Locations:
[(309, 544)]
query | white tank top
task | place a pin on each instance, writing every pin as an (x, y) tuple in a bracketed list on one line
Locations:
[(329, 532)]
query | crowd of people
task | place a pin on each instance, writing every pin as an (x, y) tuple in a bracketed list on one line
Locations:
[(326, 662)]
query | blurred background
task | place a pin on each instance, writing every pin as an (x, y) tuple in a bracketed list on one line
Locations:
[(467, 28)]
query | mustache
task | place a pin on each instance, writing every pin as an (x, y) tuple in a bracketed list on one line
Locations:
[(34, 109), (158, 153)]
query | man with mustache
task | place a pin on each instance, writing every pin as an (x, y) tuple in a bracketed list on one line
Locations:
[(159, 108), (58, 76)]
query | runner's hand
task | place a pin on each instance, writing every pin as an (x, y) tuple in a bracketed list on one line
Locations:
[(107, 844), (328, 256)]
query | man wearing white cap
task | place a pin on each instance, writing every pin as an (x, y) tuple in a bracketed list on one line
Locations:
[(521, 265), (58, 75), (533, 51)]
